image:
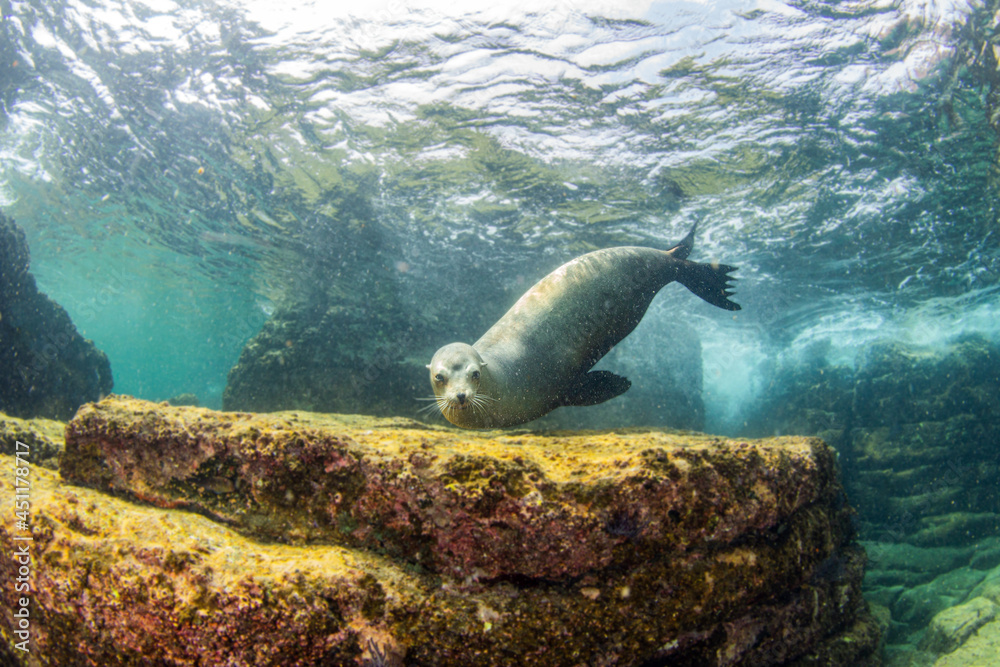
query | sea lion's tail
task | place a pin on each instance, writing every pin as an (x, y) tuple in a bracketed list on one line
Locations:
[(709, 281)]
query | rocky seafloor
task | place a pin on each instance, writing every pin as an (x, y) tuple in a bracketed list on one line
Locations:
[(917, 431), (183, 536)]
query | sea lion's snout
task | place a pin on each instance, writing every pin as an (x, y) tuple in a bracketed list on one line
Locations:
[(462, 395)]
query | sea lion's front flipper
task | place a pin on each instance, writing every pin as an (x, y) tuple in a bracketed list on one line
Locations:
[(595, 387)]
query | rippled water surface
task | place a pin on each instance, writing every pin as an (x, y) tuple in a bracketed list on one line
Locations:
[(181, 167)]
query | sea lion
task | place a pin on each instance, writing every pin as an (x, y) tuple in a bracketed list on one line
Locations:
[(538, 356)]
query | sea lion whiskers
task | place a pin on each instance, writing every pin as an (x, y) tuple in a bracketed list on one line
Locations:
[(481, 398), (430, 407), (477, 402), (446, 408), (480, 402)]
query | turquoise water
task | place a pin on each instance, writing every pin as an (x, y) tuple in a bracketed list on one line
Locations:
[(218, 156)]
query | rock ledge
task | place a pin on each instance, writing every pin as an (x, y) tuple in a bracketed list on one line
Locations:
[(320, 533)]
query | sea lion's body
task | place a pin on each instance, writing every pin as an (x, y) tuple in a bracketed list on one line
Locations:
[(538, 356)]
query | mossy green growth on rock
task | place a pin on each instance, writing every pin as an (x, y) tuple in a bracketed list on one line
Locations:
[(455, 502), (45, 437), (441, 547), (123, 584), (982, 648)]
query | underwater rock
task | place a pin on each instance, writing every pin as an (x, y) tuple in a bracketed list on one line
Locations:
[(902, 384), (916, 606), (45, 437), (889, 385), (455, 502), (981, 649), (920, 584), (329, 358), (955, 528), (916, 429), (184, 399), (48, 369), (906, 564), (987, 555), (988, 588), (436, 547), (950, 628)]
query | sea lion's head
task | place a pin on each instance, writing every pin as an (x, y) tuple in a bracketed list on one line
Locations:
[(456, 373)]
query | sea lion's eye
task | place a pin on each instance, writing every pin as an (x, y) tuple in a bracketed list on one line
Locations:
[(439, 378), (475, 375)]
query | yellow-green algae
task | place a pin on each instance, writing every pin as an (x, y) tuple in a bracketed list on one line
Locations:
[(119, 583), (981, 649), (457, 502), (123, 584), (45, 437)]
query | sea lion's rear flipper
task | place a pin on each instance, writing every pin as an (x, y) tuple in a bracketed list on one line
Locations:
[(684, 248), (595, 387), (709, 281)]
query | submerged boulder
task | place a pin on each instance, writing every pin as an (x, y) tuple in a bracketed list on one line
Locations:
[(48, 368), (45, 437), (916, 429), (982, 648), (337, 540), (328, 357), (950, 628)]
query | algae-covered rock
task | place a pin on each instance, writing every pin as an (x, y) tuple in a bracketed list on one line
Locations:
[(48, 369), (434, 547), (950, 628), (118, 583), (980, 650), (916, 429), (329, 357), (989, 587), (917, 605), (987, 555), (184, 399), (901, 384), (906, 564), (44, 435), (457, 502), (956, 528)]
